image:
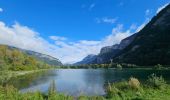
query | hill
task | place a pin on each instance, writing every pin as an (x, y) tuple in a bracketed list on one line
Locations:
[(12, 58)]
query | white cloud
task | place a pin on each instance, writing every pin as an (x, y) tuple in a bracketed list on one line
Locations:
[(57, 38), (1, 10), (106, 20), (140, 27), (162, 7), (23, 37), (148, 12), (68, 52), (92, 6), (133, 27), (75, 51)]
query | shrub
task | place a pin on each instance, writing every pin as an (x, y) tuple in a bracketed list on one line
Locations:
[(118, 66), (83, 98), (134, 83), (112, 91), (123, 85), (156, 82), (97, 98), (158, 66), (5, 77), (59, 97), (115, 90), (32, 96), (10, 93)]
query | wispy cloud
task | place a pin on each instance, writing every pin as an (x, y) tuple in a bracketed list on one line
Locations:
[(133, 27), (92, 6), (106, 20), (57, 38), (1, 10), (75, 51), (67, 51), (148, 12), (162, 7), (140, 27)]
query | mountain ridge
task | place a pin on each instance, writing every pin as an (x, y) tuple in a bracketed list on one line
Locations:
[(149, 46), (152, 44), (40, 56)]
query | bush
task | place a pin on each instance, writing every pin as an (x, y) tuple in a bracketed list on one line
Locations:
[(115, 90), (32, 96), (156, 82), (118, 66), (158, 66), (5, 77), (134, 83), (112, 91)]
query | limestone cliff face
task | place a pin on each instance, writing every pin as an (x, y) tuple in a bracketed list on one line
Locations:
[(107, 53)]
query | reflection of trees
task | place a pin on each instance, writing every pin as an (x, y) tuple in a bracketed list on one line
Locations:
[(101, 77), (32, 79), (114, 75)]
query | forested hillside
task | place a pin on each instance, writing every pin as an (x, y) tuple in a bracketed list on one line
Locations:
[(13, 59)]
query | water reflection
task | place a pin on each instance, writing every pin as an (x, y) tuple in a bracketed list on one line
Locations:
[(80, 81)]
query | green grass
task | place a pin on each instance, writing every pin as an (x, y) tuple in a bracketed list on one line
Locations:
[(154, 89), (121, 91), (145, 93)]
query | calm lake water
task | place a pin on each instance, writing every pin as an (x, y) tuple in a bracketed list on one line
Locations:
[(80, 81)]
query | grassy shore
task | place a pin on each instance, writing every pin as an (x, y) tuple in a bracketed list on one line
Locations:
[(155, 88), (21, 73)]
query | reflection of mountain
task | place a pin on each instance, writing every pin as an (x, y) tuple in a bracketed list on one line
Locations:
[(150, 46)]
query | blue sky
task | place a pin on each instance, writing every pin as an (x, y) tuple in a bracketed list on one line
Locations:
[(72, 29)]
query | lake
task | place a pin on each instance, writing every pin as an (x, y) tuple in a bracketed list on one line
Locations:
[(77, 82)]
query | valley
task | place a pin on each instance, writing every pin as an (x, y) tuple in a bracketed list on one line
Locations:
[(136, 68)]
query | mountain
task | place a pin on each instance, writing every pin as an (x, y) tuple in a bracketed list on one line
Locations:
[(45, 58), (16, 60), (151, 45), (107, 53), (86, 60), (42, 57)]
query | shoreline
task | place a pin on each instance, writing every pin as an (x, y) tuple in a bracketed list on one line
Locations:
[(22, 73)]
